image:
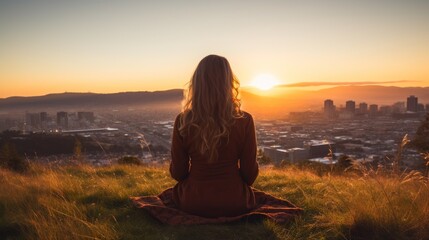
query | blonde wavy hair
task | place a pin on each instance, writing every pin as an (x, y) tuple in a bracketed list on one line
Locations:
[(211, 105)]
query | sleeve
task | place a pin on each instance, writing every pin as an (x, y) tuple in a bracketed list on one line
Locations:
[(179, 165), (249, 168)]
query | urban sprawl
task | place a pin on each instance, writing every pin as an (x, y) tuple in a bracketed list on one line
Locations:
[(363, 132)]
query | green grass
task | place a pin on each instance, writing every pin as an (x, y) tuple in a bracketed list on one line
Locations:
[(83, 202)]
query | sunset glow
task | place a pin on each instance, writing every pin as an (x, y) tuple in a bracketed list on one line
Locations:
[(115, 46)]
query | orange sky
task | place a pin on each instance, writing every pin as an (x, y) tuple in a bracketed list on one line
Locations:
[(114, 46)]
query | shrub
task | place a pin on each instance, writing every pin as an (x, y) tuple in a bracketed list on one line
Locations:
[(10, 159), (421, 139)]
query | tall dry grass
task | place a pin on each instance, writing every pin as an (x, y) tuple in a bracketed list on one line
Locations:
[(43, 206), (84, 202)]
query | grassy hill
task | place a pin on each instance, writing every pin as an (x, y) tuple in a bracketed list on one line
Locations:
[(83, 202)]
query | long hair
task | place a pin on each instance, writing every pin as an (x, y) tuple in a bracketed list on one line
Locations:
[(211, 105)]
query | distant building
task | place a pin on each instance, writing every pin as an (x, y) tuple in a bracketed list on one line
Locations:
[(292, 141), (297, 154), (427, 107), (386, 109), (43, 116), (412, 103), (329, 108), (363, 108), (293, 155), (62, 120), (303, 116), (7, 123), (276, 154), (319, 148), (350, 106), (33, 120), (398, 107), (294, 128), (420, 107), (346, 115), (43, 120), (373, 109), (86, 116)]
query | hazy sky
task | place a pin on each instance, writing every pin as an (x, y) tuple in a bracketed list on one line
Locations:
[(122, 45)]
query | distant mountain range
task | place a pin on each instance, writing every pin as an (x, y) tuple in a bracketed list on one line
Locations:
[(279, 105), (92, 100)]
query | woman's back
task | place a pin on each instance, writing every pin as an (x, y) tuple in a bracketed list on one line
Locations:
[(219, 187)]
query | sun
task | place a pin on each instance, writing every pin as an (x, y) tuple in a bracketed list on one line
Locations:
[(264, 82)]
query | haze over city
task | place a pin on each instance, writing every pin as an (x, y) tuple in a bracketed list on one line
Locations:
[(116, 46)]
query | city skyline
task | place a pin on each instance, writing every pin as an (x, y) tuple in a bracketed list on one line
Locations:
[(75, 120), (261, 106), (116, 46)]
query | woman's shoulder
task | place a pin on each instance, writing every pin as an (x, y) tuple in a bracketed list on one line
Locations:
[(178, 116), (181, 115), (245, 118), (247, 115), (178, 120)]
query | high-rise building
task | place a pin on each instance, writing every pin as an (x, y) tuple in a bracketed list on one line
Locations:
[(420, 107), (373, 109), (43, 116), (32, 119), (412, 103), (329, 108), (350, 106), (7, 123), (427, 107), (43, 120), (363, 108), (329, 104), (63, 120)]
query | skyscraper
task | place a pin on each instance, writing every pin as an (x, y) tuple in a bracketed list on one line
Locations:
[(412, 103), (43, 120), (363, 108), (32, 119), (350, 106), (373, 109), (62, 120), (43, 116), (329, 108)]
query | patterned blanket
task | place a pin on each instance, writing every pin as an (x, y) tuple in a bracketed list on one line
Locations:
[(163, 208)]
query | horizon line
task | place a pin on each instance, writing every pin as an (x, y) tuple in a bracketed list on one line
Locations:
[(245, 87)]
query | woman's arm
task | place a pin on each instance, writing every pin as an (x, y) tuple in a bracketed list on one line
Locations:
[(248, 166), (179, 165)]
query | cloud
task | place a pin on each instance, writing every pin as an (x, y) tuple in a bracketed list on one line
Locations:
[(317, 84)]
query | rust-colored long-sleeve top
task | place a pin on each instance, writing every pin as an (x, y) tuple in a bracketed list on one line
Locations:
[(221, 187)]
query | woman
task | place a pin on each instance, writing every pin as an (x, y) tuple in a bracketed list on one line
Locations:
[(213, 157), (213, 153)]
